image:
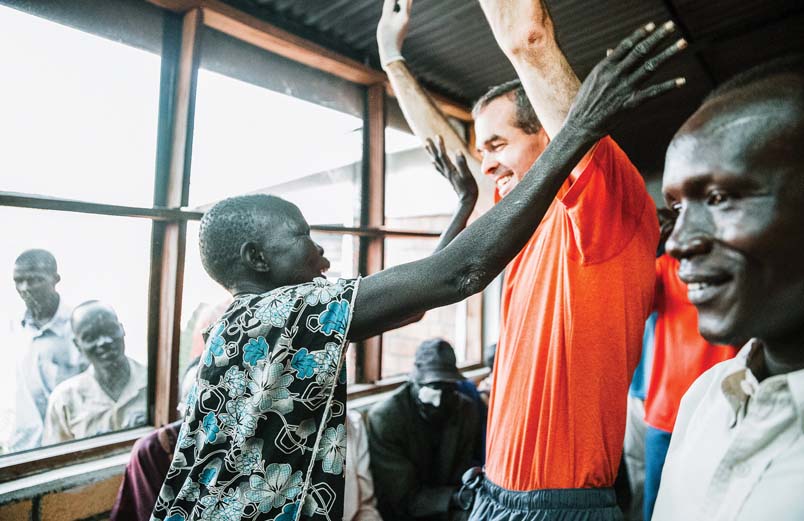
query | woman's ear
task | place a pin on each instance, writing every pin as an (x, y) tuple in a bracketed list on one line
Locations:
[(253, 256)]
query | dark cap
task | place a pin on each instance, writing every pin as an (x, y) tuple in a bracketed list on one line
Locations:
[(435, 362)]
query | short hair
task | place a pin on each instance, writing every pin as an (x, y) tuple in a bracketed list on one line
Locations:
[(227, 226), (38, 257), (80, 308), (785, 65), (524, 115)]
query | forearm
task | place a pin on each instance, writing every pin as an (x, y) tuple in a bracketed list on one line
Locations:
[(421, 112), (456, 224), (532, 48), (550, 83)]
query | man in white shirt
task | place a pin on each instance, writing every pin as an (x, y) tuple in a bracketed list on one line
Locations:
[(46, 355), (733, 174), (111, 394)]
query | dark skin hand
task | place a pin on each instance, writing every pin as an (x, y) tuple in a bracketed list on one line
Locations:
[(479, 253)]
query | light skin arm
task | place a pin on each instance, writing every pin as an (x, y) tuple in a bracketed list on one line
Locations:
[(479, 253), (421, 112)]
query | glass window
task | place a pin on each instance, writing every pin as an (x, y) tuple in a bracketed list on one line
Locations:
[(78, 258), (79, 119), (264, 124), (448, 322), (416, 196)]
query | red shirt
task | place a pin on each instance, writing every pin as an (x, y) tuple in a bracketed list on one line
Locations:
[(574, 306), (680, 353)]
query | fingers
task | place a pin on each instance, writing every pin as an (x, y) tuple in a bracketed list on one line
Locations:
[(644, 47), (651, 92), (650, 66), (626, 45)]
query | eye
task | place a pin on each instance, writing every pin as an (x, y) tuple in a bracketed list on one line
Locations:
[(716, 197), (675, 207)]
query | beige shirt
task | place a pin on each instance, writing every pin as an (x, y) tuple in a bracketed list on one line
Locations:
[(79, 407), (359, 502), (737, 451)]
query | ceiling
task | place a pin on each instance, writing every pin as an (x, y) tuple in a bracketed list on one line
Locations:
[(451, 49)]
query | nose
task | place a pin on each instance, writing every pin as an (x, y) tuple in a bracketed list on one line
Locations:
[(320, 249), (692, 234), (489, 164)]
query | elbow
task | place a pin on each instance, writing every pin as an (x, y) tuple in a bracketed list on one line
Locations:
[(472, 281)]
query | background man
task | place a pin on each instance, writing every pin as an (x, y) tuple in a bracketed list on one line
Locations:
[(575, 299), (48, 356), (733, 176), (108, 396), (423, 438)]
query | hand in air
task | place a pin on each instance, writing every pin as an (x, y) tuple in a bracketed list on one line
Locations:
[(615, 85), (392, 29), (460, 177)]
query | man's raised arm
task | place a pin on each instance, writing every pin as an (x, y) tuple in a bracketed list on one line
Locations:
[(421, 112), (524, 31)]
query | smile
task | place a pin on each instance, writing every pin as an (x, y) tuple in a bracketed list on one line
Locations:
[(504, 184), (702, 289)]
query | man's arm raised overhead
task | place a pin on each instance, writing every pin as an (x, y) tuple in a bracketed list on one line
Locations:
[(524, 31), (421, 112)]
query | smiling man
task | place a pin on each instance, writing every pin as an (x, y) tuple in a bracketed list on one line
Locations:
[(110, 394), (733, 175)]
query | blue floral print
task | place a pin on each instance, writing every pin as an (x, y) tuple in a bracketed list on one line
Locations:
[(210, 426), (304, 363), (255, 350), (264, 431), (335, 318)]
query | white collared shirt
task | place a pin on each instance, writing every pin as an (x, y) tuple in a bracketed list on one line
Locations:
[(79, 407), (737, 451)]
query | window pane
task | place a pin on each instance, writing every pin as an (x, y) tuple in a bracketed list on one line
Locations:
[(204, 300), (264, 124), (449, 322), (97, 257), (416, 196), (79, 119)]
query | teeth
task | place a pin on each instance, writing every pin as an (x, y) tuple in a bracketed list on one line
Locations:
[(697, 286), (503, 181)]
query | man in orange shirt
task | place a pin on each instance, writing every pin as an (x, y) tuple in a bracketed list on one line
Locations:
[(680, 356), (575, 299)]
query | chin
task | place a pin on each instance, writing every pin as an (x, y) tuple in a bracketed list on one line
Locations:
[(722, 331)]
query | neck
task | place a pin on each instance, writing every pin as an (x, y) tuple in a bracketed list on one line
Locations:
[(113, 377), (783, 357), (251, 287), (42, 312)]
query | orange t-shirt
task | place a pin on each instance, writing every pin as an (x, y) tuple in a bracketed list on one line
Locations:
[(680, 353), (574, 306)]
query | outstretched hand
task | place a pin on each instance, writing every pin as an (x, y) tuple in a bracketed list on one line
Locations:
[(460, 177), (392, 29), (614, 87)]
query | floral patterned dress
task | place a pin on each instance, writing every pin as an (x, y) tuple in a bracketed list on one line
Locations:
[(264, 435)]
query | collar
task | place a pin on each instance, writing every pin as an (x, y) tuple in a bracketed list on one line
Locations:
[(137, 381), (56, 322), (740, 382)]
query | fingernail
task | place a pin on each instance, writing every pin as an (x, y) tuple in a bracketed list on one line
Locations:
[(651, 26), (668, 25), (680, 81), (681, 44)]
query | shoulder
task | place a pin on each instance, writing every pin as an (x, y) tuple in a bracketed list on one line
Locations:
[(390, 409), (68, 392)]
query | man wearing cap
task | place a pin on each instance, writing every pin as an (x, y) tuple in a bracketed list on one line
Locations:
[(423, 438)]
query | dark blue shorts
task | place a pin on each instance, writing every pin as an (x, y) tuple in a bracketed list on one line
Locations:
[(494, 503)]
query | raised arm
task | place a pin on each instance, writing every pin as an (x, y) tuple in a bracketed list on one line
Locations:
[(481, 251), (421, 112), (524, 31)]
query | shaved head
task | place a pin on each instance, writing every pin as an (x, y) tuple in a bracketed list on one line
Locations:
[(90, 312)]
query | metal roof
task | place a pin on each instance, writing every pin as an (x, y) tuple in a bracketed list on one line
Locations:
[(451, 49)]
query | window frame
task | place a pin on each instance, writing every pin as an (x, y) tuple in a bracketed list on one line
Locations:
[(183, 24)]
